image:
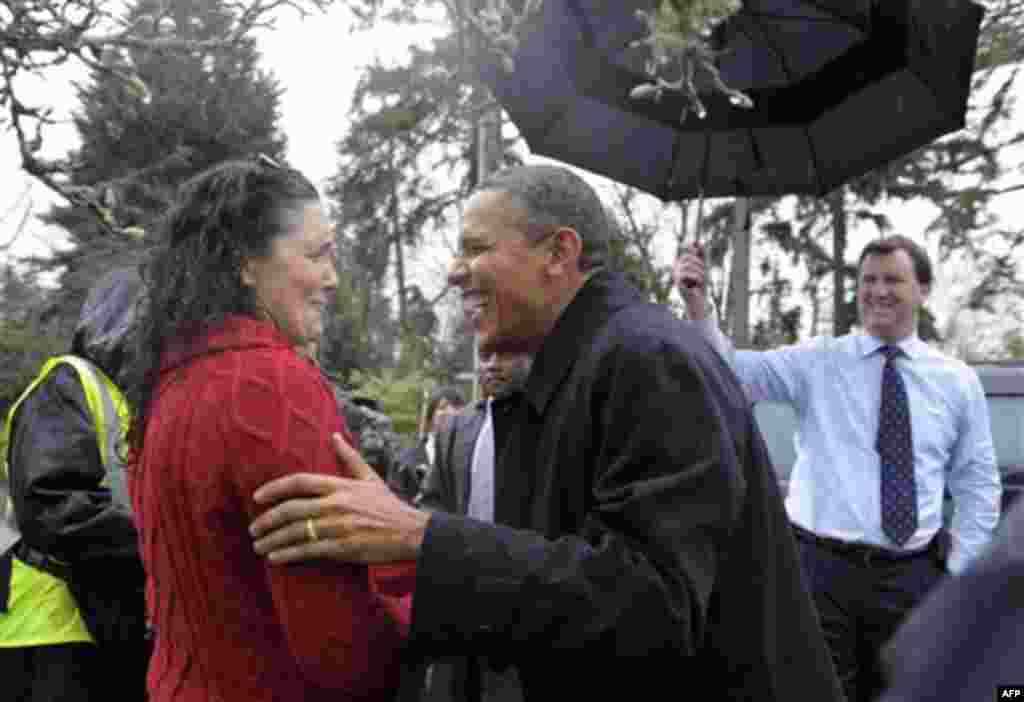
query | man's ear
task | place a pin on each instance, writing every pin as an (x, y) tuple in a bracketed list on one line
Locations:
[(566, 249)]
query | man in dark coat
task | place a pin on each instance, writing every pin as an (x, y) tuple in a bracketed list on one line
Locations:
[(967, 637), (640, 538), (75, 628), (447, 486)]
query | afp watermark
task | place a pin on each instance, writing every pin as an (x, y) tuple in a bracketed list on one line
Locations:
[(1010, 692)]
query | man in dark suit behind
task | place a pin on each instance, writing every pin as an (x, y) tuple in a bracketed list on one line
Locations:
[(463, 469), (447, 486)]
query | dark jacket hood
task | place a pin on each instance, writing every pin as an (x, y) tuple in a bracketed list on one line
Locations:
[(105, 328)]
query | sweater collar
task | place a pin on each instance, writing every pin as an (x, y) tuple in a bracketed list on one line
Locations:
[(234, 333)]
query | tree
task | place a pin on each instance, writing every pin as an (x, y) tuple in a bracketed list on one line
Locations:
[(406, 162), (19, 211), (25, 342), (40, 35), (1014, 345), (782, 325), (400, 397), (637, 234), (198, 109)]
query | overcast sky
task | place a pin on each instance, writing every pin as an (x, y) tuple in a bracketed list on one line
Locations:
[(317, 62)]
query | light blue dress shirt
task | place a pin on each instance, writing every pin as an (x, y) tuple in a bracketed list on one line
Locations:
[(834, 387)]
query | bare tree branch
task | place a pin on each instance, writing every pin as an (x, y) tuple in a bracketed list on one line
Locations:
[(43, 34), (26, 212)]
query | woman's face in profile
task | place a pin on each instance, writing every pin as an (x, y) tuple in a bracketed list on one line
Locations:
[(296, 281)]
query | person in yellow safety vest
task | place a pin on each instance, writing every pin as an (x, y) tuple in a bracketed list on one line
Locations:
[(72, 611)]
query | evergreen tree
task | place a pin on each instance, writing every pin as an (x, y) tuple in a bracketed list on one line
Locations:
[(142, 138), (24, 341), (407, 160)]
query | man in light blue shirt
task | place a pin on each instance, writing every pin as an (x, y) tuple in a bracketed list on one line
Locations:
[(866, 491)]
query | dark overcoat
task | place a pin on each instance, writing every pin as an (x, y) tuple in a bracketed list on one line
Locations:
[(967, 637), (641, 541)]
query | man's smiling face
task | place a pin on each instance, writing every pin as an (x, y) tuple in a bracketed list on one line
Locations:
[(889, 295), (501, 275)]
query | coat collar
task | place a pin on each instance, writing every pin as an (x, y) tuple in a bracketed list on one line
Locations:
[(235, 332), (601, 296)]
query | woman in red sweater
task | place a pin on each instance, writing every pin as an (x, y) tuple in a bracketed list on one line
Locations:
[(224, 404)]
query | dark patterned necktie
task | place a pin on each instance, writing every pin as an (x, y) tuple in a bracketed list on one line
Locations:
[(899, 498)]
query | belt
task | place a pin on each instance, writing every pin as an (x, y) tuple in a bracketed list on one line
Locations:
[(37, 559), (864, 553)]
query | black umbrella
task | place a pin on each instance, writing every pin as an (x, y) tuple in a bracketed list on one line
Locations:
[(839, 88)]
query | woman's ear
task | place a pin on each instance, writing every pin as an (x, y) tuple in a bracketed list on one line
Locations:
[(247, 273)]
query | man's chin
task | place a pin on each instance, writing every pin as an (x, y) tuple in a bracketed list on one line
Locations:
[(887, 332), (490, 340)]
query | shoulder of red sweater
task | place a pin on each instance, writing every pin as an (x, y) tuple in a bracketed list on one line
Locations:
[(272, 386)]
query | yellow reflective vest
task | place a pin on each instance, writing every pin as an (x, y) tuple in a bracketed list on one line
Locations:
[(41, 609)]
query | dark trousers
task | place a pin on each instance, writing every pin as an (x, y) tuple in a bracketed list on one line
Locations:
[(861, 602), (59, 673), (74, 672)]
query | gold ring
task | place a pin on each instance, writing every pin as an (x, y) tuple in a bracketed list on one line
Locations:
[(311, 530)]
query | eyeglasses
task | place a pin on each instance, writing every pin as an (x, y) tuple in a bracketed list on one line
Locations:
[(264, 160)]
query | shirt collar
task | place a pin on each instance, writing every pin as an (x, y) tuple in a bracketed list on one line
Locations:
[(911, 346), (428, 447)]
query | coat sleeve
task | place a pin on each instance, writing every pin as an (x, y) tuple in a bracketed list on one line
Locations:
[(56, 477), (637, 578), (343, 628)]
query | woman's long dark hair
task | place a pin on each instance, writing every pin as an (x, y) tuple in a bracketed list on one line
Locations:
[(223, 216)]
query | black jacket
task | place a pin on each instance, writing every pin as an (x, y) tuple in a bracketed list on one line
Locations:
[(968, 634), (641, 538), (55, 464)]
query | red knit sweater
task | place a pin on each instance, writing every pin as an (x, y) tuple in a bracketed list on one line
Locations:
[(235, 409)]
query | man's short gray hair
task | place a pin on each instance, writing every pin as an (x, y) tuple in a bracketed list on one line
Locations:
[(554, 197)]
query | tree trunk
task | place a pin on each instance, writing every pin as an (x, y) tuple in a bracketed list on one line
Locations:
[(739, 284), (396, 239), (837, 204), (812, 292)]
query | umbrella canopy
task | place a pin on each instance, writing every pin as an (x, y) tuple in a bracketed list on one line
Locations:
[(839, 88)]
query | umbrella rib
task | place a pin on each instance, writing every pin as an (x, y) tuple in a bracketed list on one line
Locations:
[(796, 18), (704, 166), (834, 16), (670, 182), (850, 18), (772, 46), (813, 159)]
